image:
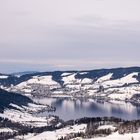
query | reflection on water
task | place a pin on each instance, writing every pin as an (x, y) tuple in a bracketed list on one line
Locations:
[(68, 109)]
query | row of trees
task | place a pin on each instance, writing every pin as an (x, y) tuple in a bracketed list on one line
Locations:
[(93, 124), (90, 131), (22, 129)]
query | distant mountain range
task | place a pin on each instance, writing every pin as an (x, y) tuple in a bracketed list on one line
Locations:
[(110, 84)]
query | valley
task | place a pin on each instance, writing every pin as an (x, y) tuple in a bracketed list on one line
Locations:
[(41, 104)]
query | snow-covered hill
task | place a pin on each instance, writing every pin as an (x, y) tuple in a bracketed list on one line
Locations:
[(17, 108), (18, 115), (118, 84), (96, 129)]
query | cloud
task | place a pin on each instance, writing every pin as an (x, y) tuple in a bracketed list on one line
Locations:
[(69, 34)]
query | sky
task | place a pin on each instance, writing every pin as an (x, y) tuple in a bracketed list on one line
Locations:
[(47, 35)]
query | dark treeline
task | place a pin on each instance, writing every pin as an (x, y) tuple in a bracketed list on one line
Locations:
[(91, 130), (22, 129), (93, 124), (6, 98)]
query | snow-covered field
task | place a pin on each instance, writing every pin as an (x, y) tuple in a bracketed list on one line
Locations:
[(5, 129), (24, 116), (114, 89), (3, 77), (54, 135), (116, 136)]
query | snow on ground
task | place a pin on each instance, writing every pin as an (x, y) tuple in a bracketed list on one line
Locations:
[(28, 86), (74, 86), (46, 101), (61, 95), (91, 92), (27, 90), (106, 127), (18, 76), (70, 79), (34, 107), (24, 118), (105, 78), (87, 86), (6, 130), (16, 106), (21, 85), (45, 80), (120, 82), (42, 80), (82, 73), (54, 135), (65, 74), (120, 96), (123, 93), (30, 108), (112, 88), (116, 136), (86, 81), (3, 77), (58, 92), (25, 115)]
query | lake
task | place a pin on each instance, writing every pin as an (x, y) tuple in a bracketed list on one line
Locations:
[(68, 109)]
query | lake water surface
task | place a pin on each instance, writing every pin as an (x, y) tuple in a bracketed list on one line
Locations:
[(68, 109)]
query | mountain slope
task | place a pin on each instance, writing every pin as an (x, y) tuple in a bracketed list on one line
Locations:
[(7, 98), (118, 84)]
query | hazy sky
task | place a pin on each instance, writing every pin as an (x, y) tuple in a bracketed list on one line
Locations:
[(68, 34)]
